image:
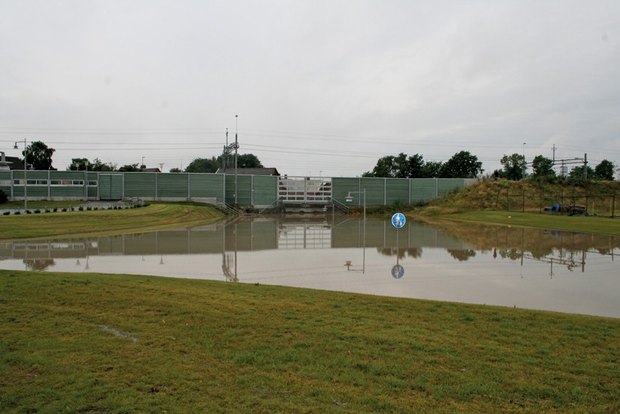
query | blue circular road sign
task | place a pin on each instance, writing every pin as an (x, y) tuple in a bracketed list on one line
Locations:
[(398, 271), (399, 220)]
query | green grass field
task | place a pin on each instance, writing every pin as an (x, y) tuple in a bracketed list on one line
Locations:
[(113, 343), (86, 223)]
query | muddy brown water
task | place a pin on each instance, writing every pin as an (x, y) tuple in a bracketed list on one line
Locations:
[(523, 268)]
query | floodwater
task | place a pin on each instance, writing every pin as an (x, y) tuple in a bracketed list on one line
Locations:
[(523, 268)]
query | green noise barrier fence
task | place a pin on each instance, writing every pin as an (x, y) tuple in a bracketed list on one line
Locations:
[(244, 190)]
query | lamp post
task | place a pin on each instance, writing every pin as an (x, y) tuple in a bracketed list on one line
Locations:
[(349, 199), (25, 175)]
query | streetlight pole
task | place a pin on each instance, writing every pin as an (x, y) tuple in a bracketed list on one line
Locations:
[(25, 174)]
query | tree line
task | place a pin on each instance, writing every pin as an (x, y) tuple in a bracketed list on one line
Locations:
[(463, 164), (39, 157)]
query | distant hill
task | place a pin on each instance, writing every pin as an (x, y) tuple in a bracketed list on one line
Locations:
[(527, 195)]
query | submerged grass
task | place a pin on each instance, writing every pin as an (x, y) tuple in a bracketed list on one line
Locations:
[(101, 222), (602, 225), (115, 343)]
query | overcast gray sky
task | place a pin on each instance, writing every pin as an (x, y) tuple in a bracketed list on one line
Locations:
[(320, 87)]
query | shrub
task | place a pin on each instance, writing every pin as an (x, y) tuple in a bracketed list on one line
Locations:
[(3, 197)]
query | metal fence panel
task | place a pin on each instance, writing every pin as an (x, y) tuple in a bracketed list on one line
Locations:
[(445, 185), (242, 189), (375, 190), (206, 186), (174, 185), (140, 184), (342, 186), (265, 190), (423, 189), (397, 191)]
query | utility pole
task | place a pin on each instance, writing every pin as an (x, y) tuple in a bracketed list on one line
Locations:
[(225, 153), (585, 167), (553, 148), (228, 148), (25, 173), (236, 148)]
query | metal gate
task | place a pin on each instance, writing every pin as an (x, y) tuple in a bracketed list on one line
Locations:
[(304, 190)]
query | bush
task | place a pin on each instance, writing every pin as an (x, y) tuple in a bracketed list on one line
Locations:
[(3, 197), (6, 213)]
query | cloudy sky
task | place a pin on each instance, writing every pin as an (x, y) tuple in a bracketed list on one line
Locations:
[(319, 87)]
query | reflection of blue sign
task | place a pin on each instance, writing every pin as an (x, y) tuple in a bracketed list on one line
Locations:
[(399, 220), (398, 271)]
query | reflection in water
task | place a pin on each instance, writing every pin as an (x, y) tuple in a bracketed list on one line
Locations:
[(446, 261)]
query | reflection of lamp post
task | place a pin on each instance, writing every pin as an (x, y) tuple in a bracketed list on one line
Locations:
[(349, 199), (25, 176)]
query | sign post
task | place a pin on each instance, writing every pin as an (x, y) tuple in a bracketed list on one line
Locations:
[(398, 221)]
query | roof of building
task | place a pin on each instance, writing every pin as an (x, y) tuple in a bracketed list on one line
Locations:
[(249, 171), (15, 163)]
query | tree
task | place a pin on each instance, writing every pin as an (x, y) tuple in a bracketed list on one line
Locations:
[(399, 166), (79, 164), (175, 170), (247, 161), (415, 166), (542, 168), (211, 165), (130, 168), (97, 165), (577, 175), (604, 170), (39, 156), (431, 169), (383, 168), (203, 165), (461, 165), (514, 166)]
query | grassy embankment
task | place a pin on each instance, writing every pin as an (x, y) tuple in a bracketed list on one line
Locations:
[(522, 204), (100, 222), (114, 343)]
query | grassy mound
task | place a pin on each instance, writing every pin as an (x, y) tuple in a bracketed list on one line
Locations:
[(86, 223)]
